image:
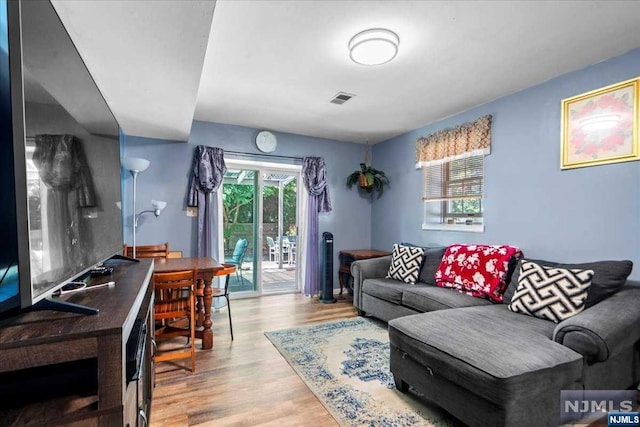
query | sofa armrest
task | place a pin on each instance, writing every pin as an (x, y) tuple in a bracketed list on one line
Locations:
[(367, 269), (604, 329)]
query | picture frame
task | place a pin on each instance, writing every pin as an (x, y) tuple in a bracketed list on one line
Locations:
[(601, 126)]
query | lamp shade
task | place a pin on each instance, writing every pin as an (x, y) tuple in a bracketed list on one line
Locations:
[(158, 204), (375, 46), (135, 164)]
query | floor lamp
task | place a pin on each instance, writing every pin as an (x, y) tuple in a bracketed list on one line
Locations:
[(157, 205), (134, 165)]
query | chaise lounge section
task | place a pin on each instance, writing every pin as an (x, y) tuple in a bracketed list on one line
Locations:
[(490, 366)]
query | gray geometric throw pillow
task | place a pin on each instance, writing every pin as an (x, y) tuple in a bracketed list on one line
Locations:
[(405, 263), (550, 293)]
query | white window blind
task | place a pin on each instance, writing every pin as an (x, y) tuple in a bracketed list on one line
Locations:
[(454, 180)]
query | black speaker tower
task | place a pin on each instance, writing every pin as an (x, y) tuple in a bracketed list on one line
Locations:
[(326, 296)]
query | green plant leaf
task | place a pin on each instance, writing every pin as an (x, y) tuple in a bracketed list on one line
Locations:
[(379, 187), (369, 176), (376, 179), (353, 179)]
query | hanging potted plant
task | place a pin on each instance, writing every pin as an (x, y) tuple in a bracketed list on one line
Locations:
[(368, 179)]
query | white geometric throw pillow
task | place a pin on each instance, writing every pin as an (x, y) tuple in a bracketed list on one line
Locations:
[(550, 293), (405, 263)]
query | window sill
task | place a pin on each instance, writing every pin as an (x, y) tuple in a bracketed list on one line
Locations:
[(474, 228)]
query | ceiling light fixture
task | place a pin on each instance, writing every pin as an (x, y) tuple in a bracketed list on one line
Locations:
[(374, 46)]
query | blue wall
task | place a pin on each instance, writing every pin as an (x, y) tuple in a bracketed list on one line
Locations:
[(167, 179), (573, 215)]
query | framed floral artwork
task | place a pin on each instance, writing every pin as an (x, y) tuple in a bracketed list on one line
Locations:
[(601, 126)]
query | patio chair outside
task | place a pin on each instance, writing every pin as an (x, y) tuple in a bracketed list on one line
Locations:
[(273, 250), (238, 256)]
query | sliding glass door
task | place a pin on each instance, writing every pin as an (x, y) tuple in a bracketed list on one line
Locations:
[(279, 230), (261, 233), (240, 222)]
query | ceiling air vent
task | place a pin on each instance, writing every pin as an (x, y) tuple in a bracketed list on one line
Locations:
[(341, 97)]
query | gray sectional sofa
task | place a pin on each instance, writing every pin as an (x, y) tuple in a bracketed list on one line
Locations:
[(489, 366)]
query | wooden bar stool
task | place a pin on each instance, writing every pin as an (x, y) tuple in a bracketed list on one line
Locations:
[(227, 270)]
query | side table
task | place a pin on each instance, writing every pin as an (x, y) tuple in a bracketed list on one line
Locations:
[(348, 256)]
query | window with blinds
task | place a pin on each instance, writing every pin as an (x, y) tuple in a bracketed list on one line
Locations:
[(458, 185)]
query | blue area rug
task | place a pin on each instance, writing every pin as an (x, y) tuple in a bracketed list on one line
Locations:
[(346, 365)]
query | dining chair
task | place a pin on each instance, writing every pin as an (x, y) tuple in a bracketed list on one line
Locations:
[(284, 242), (292, 253), (174, 300), (147, 251), (227, 270), (273, 249), (238, 256)]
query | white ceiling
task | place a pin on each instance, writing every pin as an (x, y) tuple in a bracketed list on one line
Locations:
[(276, 64), (146, 57)]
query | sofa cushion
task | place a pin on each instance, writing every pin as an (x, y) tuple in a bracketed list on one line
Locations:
[(490, 351), (478, 270), (430, 263), (430, 298), (432, 260), (608, 278), (386, 289), (550, 293), (405, 263)]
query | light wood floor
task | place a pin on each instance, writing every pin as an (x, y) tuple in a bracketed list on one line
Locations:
[(245, 382)]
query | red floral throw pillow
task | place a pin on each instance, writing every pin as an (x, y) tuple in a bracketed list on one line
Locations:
[(476, 270)]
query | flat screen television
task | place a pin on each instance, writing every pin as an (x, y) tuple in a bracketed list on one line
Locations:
[(9, 294), (66, 151)]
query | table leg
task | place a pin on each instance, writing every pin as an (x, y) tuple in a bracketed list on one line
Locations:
[(344, 274), (200, 303), (207, 333)]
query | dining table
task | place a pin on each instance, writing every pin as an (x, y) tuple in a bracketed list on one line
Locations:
[(206, 268), (288, 249)]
